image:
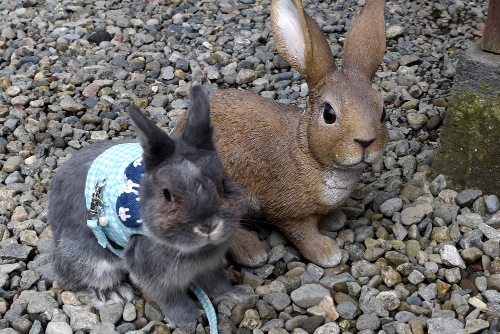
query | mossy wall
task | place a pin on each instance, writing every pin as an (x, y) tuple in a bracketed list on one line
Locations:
[(469, 144)]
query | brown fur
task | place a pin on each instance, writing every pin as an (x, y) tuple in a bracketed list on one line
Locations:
[(296, 168)]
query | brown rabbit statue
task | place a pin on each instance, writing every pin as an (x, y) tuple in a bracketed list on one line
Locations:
[(298, 166)]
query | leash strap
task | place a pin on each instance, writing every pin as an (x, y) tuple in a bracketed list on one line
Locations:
[(207, 306)]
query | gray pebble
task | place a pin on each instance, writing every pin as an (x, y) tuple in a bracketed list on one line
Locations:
[(111, 313), (129, 312), (492, 204), (347, 310), (400, 232), (58, 328), (355, 251), (277, 300), (245, 76), (40, 302), (394, 31), (152, 312), (491, 248), (91, 119), (444, 326), (476, 325), (28, 278), (414, 300), (273, 323), (471, 220), (467, 197), (314, 272), (36, 328), (391, 299), (416, 277), (413, 215), (450, 256), (432, 266), (83, 320), (69, 104), (17, 310), (389, 207), (364, 268), (265, 271), (437, 185), (368, 321), (12, 164), (276, 254), (341, 278), (103, 328), (125, 328), (309, 295), (329, 328), (472, 238), (14, 177), (293, 323), (493, 282), (179, 104)]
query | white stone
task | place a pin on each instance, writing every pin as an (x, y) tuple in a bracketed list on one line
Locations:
[(451, 256), (329, 328), (58, 328)]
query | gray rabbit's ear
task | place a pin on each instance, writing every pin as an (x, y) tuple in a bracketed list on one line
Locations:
[(198, 131), (156, 143)]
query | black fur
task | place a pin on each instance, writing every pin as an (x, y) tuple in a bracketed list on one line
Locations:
[(185, 242)]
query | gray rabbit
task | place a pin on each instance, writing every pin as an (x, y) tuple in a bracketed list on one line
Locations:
[(188, 211)]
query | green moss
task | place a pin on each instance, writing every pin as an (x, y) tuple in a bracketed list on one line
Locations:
[(484, 87), (469, 147)]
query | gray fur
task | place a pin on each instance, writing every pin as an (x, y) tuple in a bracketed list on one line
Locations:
[(164, 263)]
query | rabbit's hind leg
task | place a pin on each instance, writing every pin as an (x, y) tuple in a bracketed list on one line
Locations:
[(94, 269)]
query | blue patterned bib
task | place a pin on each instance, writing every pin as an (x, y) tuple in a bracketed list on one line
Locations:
[(118, 170)]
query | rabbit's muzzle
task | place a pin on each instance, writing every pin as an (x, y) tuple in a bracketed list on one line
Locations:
[(210, 231)]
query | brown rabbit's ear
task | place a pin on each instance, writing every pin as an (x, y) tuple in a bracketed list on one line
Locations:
[(156, 143), (365, 41), (300, 41)]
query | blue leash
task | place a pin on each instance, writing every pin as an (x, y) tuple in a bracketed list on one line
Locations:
[(207, 306)]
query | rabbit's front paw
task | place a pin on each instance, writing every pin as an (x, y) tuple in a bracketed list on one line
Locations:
[(183, 317), (321, 250)]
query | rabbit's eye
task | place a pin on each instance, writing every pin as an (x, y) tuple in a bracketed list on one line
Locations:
[(329, 114), (167, 195), (384, 115)]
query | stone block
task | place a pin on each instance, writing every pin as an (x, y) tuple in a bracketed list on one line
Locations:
[(469, 144)]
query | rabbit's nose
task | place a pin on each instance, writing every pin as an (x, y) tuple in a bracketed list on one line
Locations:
[(209, 229), (364, 143)]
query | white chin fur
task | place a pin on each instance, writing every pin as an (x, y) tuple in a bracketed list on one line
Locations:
[(198, 244)]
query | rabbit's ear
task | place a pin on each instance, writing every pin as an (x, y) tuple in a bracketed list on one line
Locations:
[(365, 40), (156, 143), (198, 131), (300, 41)]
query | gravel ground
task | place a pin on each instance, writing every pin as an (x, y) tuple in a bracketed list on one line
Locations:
[(418, 256)]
